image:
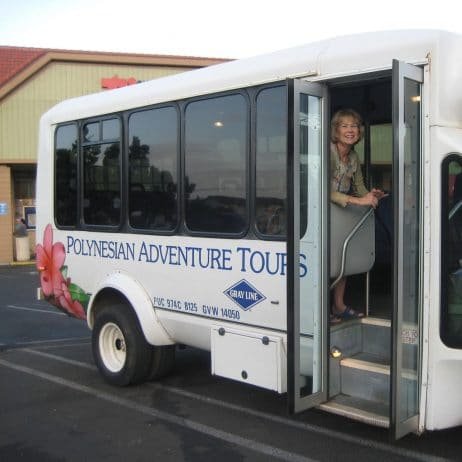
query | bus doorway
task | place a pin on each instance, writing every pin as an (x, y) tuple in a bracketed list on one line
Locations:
[(360, 350), (372, 292), (374, 361)]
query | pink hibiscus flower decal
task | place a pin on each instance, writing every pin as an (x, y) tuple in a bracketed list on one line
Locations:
[(58, 289), (64, 299), (50, 259)]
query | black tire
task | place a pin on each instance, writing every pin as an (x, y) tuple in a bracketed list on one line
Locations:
[(120, 350), (162, 361)]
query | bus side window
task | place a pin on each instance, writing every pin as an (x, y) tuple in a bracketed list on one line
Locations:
[(451, 252), (102, 184), (153, 169), (65, 175), (271, 154), (101, 172), (216, 165)]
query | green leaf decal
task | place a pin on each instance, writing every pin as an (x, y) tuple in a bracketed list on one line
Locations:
[(77, 293)]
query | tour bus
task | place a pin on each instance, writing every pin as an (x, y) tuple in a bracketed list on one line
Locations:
[(195, 210)]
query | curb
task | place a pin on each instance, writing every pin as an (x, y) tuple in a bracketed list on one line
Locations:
[(22, 263)]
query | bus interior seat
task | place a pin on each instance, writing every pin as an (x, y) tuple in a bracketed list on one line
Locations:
[(137, 205), (360, 254), (271, 216), (270, 205), (102, 208)]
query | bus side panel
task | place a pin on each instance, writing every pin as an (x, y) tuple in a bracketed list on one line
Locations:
[(444, 374), (239, 281), (445, 399)]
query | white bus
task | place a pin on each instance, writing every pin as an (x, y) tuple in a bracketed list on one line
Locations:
[(195, 209)]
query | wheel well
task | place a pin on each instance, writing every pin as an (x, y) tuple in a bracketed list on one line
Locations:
[(122, 288), (107, 297)]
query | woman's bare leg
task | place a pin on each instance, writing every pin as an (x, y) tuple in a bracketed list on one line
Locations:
[(339, 293)]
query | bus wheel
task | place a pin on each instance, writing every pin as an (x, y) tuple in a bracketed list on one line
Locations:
[(121, 353), (162, 361)]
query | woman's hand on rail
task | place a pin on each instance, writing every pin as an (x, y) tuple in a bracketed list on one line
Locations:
[(378, 193), (368, 199)]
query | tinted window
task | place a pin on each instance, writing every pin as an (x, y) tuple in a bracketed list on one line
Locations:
[(101, 167), (111, 129), (91, 132), (153, 168), (66, 175), (451, 252), (216, 165), (271, 154)]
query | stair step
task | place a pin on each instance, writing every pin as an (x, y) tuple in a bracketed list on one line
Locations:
[(361, 410), (362, 377), (379, 322), (365, 379), (367, 362), (359, 381), (376, 336), (371, 335)]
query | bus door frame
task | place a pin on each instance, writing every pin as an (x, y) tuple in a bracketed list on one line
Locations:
[(407, 280), (303, 276)]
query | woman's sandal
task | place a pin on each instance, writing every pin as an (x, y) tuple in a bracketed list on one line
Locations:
[(348, 313), (334, 319)]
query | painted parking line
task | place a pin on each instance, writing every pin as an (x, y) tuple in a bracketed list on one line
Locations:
[(246, 443), (73, 362), (54, 346), (57, 343), (347, 438), (36, 310), (14, 275), (55, 340)]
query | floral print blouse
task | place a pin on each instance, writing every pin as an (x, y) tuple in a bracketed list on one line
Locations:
[(346, 178)]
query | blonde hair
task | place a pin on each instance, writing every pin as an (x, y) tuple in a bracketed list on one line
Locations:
[(336, 120)]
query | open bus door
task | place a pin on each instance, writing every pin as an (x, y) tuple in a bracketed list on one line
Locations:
[(306, 245), (307, 282), (406, 321)]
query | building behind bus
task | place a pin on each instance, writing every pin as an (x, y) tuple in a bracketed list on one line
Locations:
[(32, 80)]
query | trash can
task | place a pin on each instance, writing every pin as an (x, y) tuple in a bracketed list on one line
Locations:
[(22, 248)]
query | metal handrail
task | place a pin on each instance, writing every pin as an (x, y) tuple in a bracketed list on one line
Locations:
[(454, 210), (346, 242)]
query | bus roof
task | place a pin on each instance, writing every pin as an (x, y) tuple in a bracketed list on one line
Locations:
[(336, 57)]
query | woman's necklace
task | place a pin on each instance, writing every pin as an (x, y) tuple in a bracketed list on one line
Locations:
[(343, 154)]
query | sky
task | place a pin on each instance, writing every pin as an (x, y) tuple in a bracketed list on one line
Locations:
[(206, 28)]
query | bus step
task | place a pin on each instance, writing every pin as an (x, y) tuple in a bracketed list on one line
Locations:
[(365, 376), (369, 335), (376, 336), (358, 409)]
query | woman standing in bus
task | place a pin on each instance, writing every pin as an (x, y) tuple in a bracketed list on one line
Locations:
[(347, 186)]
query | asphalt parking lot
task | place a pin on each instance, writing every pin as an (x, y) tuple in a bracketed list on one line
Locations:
[(54, 405)]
